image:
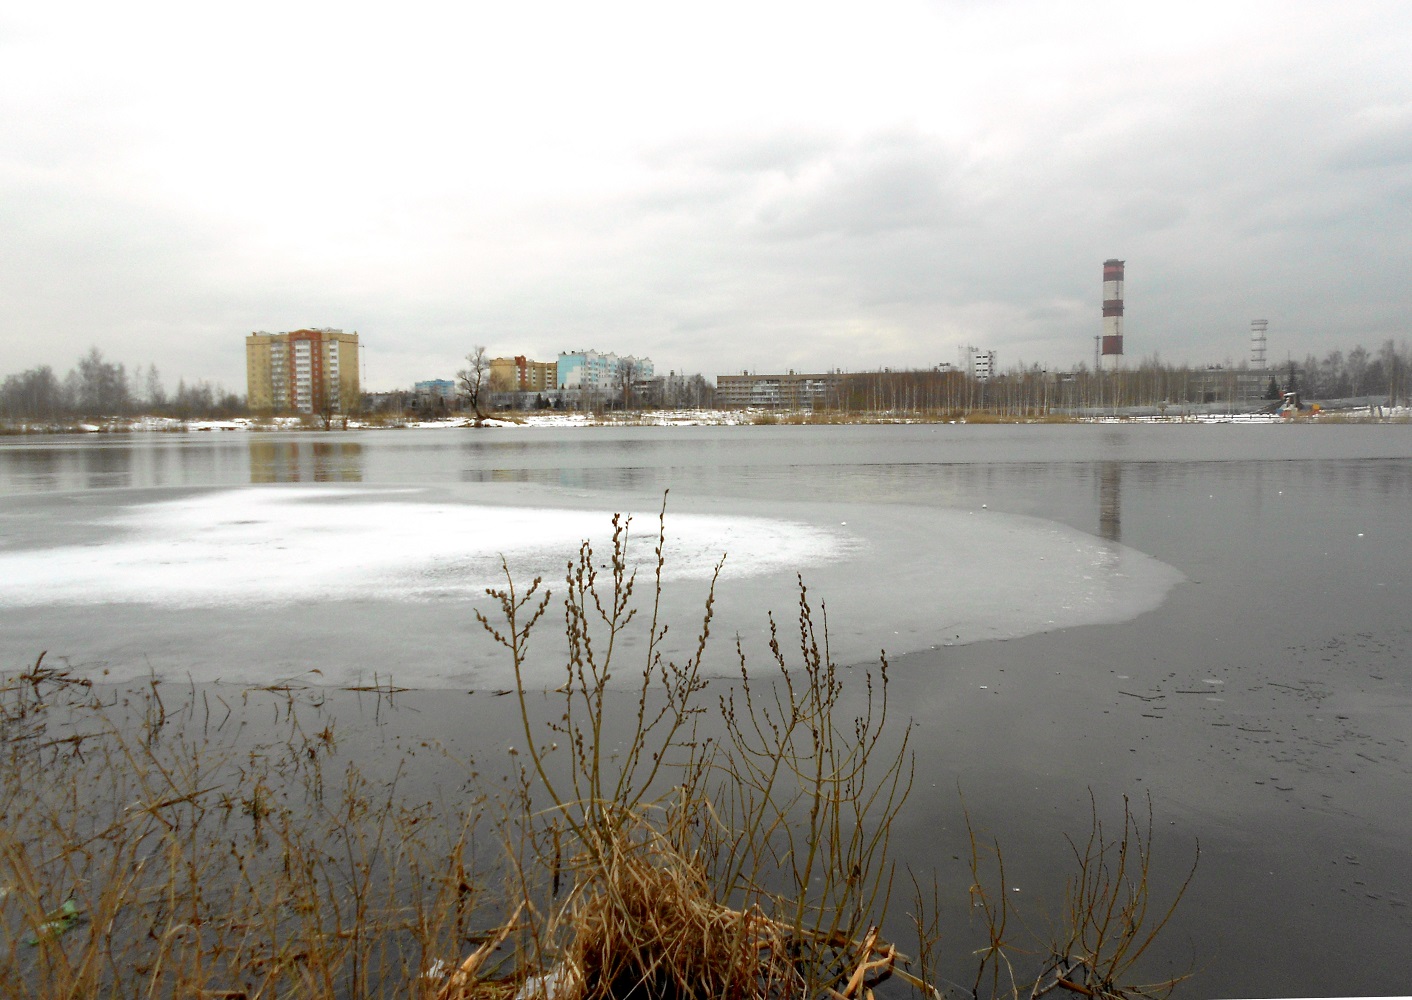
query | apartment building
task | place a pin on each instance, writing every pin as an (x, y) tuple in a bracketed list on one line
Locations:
[(520, 374), (306, 371), (435, 388), (600, 373)]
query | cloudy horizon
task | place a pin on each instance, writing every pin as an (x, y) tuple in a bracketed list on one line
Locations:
[(756, 187)]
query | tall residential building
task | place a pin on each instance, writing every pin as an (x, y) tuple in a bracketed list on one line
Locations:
[(601, 373), (520, 374), (307, 371)]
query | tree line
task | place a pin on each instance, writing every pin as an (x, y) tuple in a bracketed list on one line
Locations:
[(97, 388), (1359, 373), (1031, 390)]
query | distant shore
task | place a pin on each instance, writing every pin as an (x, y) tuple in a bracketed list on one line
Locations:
[(1205, 414)]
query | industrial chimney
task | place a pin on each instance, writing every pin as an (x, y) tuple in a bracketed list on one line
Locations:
[(1111, 352)]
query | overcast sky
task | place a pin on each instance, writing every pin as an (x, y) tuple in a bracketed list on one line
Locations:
[(719, 186)]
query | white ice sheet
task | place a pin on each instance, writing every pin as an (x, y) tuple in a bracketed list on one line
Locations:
[(261, 583)]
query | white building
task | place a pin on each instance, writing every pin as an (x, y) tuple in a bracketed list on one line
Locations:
[(601, 373), (978, 364)]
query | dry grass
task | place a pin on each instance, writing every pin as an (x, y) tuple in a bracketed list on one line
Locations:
[(1363, 416), (645, 921), (1109, 921), (905, 416), (210, 842)]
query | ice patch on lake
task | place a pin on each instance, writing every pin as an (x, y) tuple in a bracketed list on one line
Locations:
[(341, 585), (276, 545)]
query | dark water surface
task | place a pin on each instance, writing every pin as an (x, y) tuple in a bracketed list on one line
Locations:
[(1265, 706)]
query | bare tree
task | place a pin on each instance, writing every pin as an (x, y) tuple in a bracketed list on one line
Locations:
[(1392, 366), (102, 387), (327, 409), (36, 394), (153, 391), (628, 371), (474, 379), (1357, 365)]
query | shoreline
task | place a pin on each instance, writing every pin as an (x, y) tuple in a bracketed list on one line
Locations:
[(700, 418)]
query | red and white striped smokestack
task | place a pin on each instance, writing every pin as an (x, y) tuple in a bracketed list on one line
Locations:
[(1112, 313)]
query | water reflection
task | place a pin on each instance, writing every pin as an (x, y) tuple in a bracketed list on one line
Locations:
[(67, 468), (1110, 501), (108, 467), (573, 478), (306, 461), (38, 469)]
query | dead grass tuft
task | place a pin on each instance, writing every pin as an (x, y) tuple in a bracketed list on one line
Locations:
[(651, 925)]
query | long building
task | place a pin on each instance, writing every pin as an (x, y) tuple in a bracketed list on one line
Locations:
[(789, 391), (305, 371)]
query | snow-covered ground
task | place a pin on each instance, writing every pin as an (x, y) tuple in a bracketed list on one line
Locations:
[(702, 418), (1374, 414), (546, 418)]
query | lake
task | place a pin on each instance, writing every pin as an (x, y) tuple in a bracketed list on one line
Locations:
[(1215, 616)]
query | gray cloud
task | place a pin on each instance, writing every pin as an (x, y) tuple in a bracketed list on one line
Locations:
[(877, 196)]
